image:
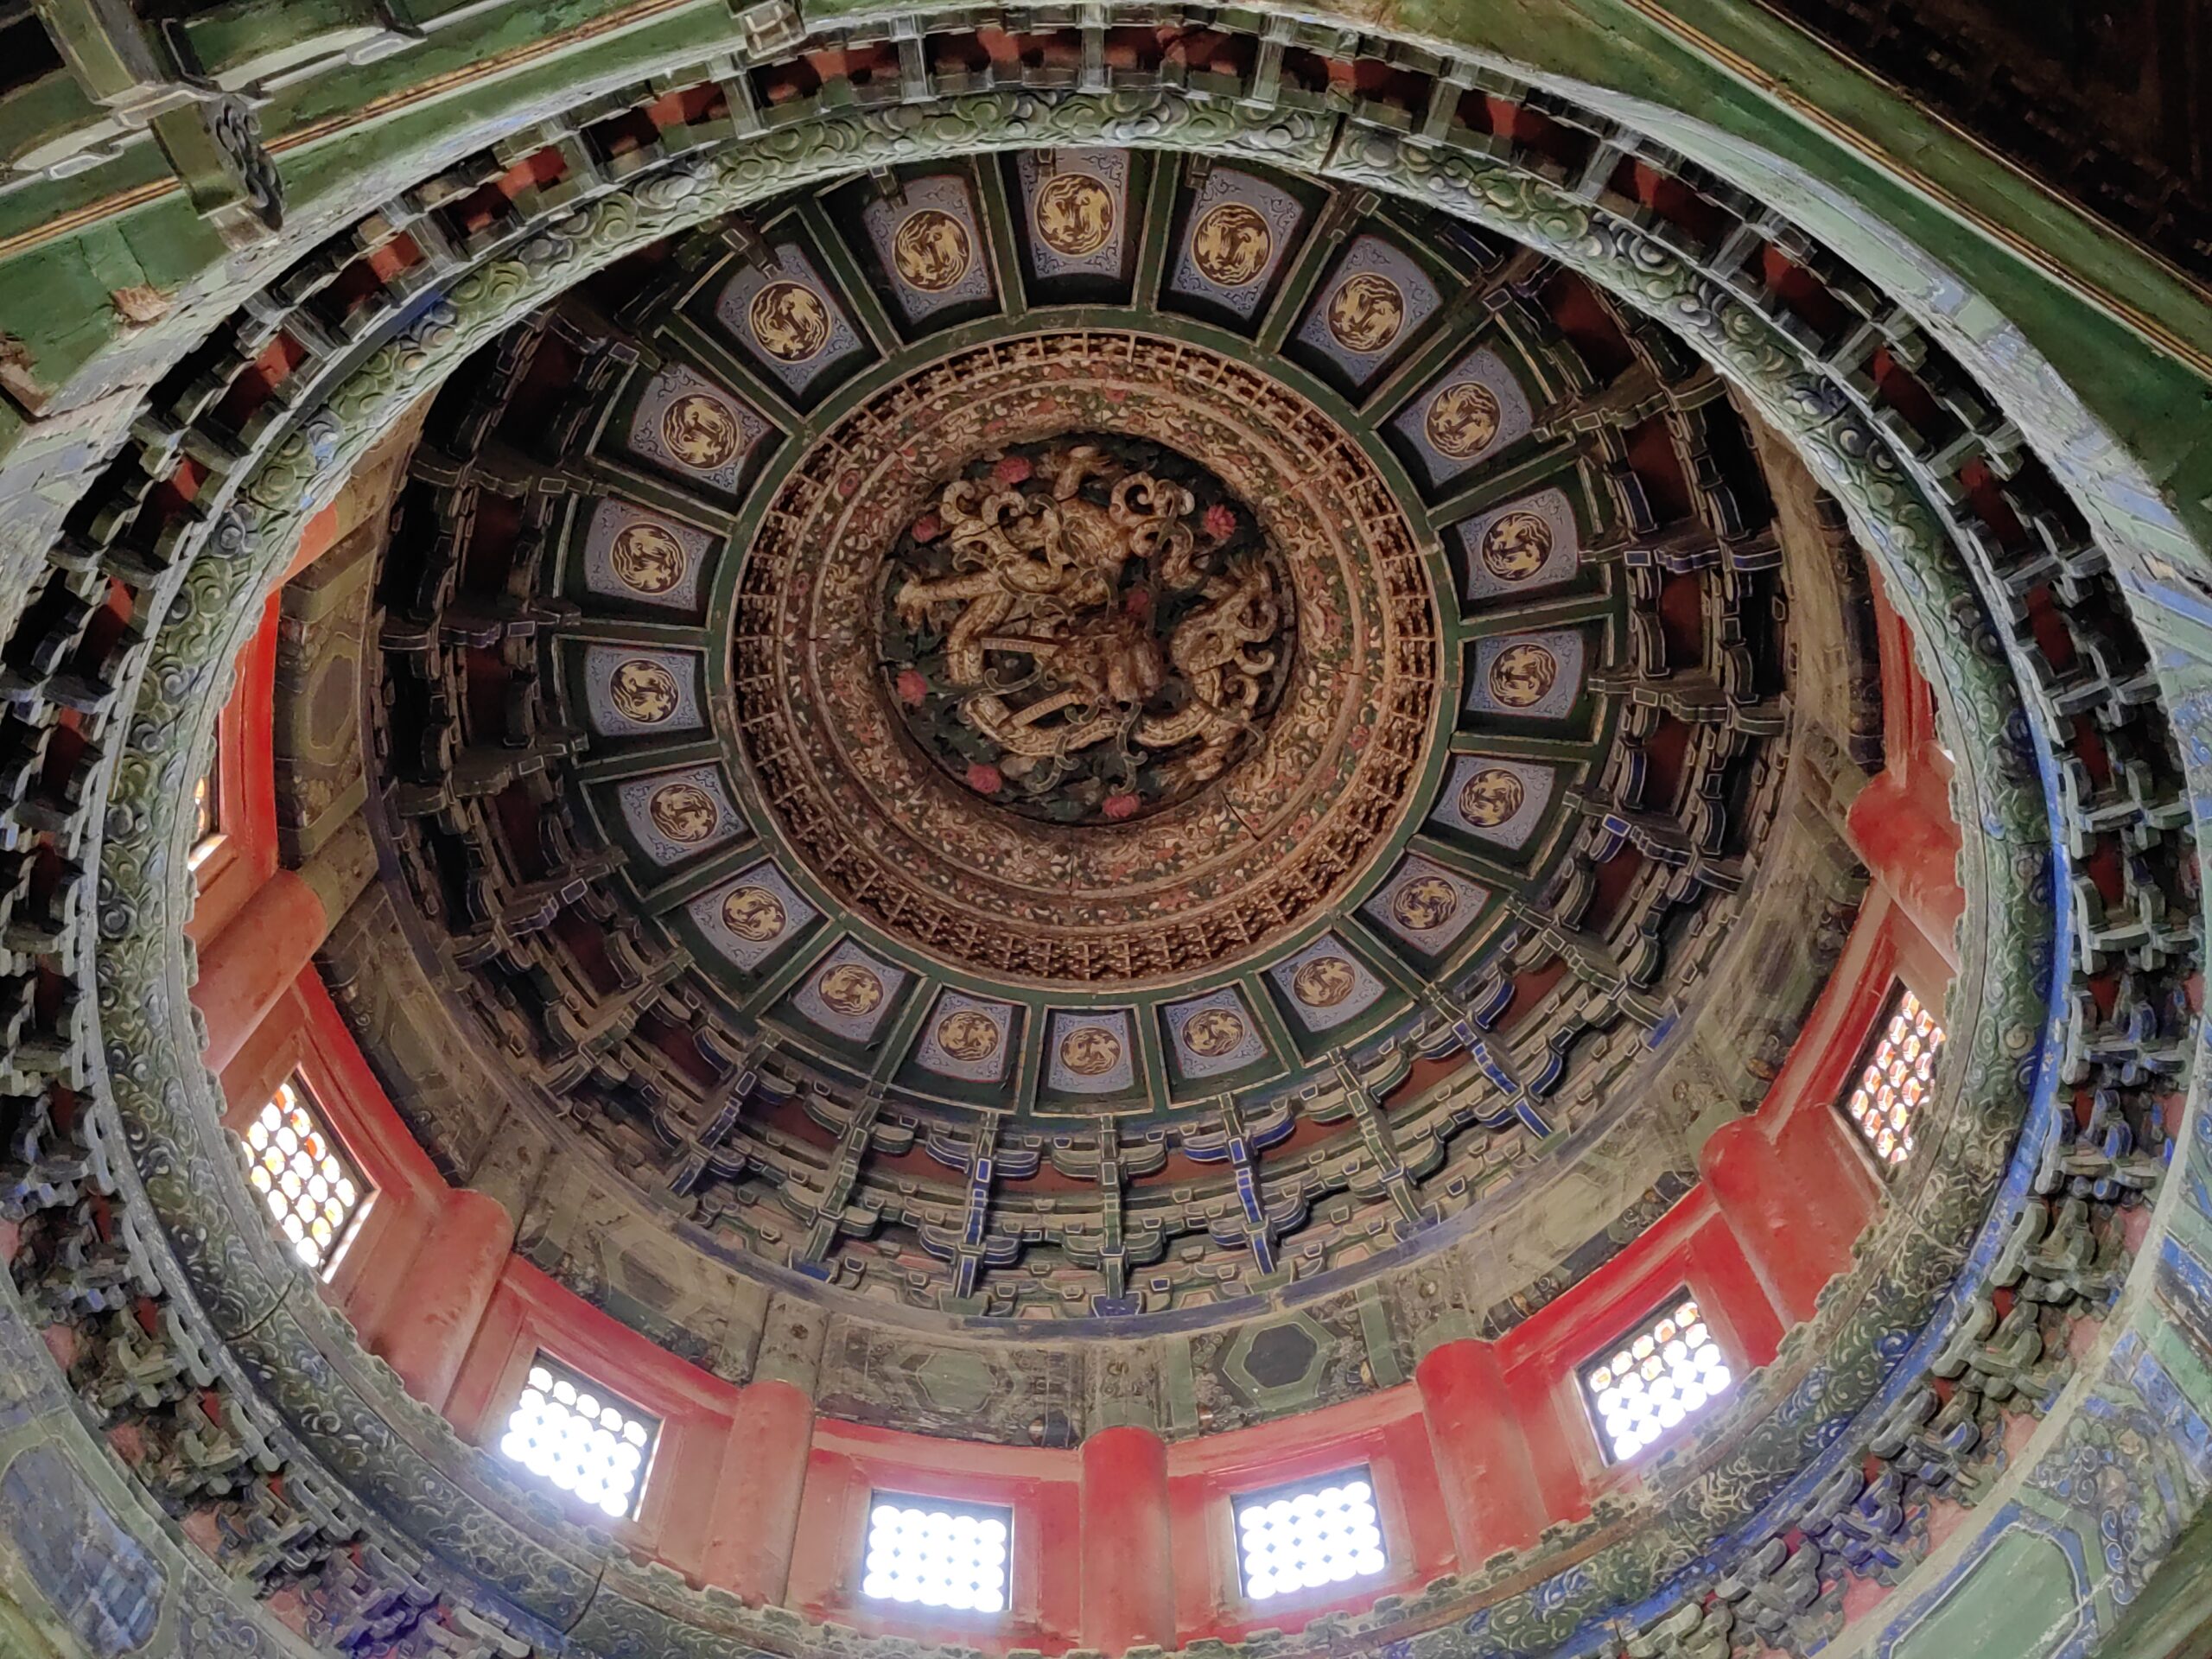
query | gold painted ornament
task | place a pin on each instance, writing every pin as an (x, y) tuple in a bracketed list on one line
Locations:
[(701, 432), (1462, 420), (1091, 1051), (1231, 244), (684, 813), (1491, 797), (789, 321), (646, 558), (930, 249), (1515, 545), (1366, 312), (1522, 675), (1075, 214), (754, 913), (643, 690)]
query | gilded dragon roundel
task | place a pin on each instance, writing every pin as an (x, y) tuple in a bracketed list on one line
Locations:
[(1085, 630), (1025, 684)]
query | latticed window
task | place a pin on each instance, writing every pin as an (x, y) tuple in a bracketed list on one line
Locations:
[(929, 1553), (1656, 1378), (580, 1437), (206, 810), (315, 1192), (1317, 1534), (1894, 1081)]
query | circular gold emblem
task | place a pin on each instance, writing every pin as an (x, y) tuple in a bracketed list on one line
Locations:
[(1425, 902), (1522, 675), (1515, 545), (754, 913), (1462, 420), (701, 432), (1323, 982), (647, 558), (1491, 797), (643, 690), (1075, 214), (850, 989), (1212, 1032), (1230, 242), (1091, 1051), (930, 249), (683, 812), (968, 1036), (1367, 312), (789, 321)]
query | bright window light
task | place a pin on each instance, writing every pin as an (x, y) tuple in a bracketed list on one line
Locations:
[(1309, 1536), (1894, 1082), (1666, 1373), (927, 1553), (568, 1430), (315, 1192)]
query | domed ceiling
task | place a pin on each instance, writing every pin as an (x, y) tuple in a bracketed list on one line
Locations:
[(1137, 785), (1086, 734)]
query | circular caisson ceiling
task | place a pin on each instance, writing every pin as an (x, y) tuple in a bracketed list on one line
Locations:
[(656, 1064), (1156, 730)]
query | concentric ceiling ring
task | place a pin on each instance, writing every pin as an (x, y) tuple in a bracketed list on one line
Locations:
[(1210, 878)]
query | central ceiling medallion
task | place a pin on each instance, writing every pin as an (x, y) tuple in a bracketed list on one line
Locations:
[(1085, 630), (1026, 685)]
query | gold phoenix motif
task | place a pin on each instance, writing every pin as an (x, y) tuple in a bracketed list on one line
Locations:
[(754, 913), (850, 989), (930, 249), (1425, 903), (1212, 1032), (968, 1035), (789, 321), (1036, 575), (1323, 982), (1491, 797), (1515, 545), (1075, 214), (643, 690), (701, 432), (1091, 1051), (1366, 312), (683, 812), (1462, 420), (1231, 244), (1522, 675), (647, 558)]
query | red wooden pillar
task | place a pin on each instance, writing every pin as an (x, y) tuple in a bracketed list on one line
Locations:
[(246, 970), (1902, 826), (1478, 1444), (248, 967), (1129, 1557), (1795, 1195), (443, 1293), (755, 1524)]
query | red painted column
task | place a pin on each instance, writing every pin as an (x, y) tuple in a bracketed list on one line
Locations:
[(1901, 824), (1795, 1195), (1477, 1439), (443, 1295), (246, 968), (755, 1524), (1128, 1556)]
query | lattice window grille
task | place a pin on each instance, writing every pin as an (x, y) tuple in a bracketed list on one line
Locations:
[(925, 1552), (581, 1438), (1665, 1371), (316, 1194), (1317, 1535), (1895, 1080)]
